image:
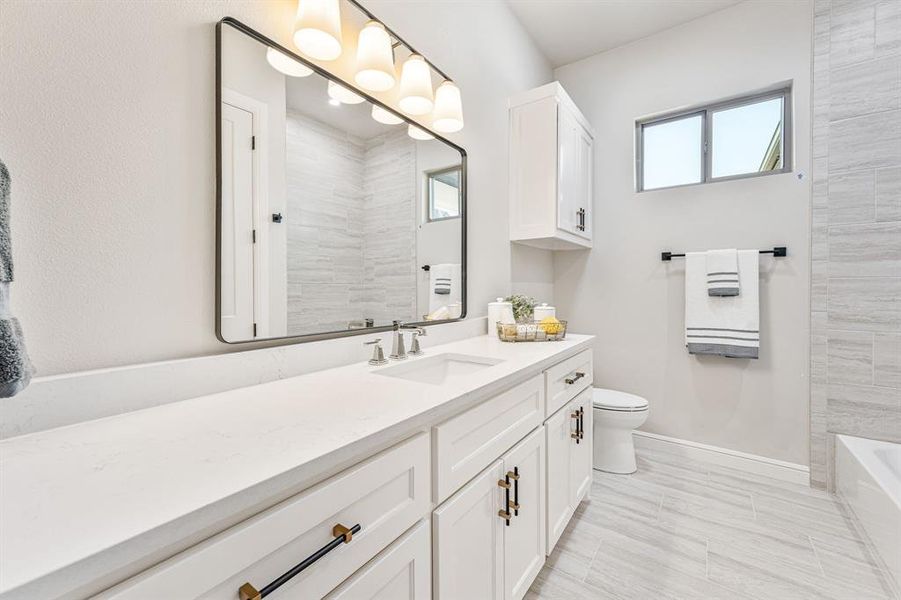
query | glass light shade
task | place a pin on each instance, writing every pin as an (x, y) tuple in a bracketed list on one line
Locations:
[(383, 116), (375, 59), (418, 133), (448, 115), (416, 86), (317, 30), (285, 64), (342, 94)]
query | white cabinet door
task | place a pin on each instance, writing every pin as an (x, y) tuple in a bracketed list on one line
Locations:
[(568, 165), (468, 533), (524, 538), (581, 453), (585, 178), (402, 571), (558, 431)]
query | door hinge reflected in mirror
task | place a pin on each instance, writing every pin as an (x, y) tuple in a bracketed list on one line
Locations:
[(253, 142), (254, 330), (253, 236)]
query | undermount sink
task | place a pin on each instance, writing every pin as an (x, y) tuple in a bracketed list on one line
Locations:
[(439, 369)]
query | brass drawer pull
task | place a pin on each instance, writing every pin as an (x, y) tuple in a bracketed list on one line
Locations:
[(572, 380), (504, 515), (504, 484), (342, 535), (578, 434), (514, 475)]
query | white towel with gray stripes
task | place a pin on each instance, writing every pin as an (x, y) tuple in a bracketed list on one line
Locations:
[(723, 326), (722, 272)]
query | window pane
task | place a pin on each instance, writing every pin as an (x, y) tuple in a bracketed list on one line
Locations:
[(747, 139), (444, 195), (672, 153)]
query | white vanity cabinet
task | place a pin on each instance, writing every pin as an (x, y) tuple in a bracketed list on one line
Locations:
[(386, 495), (551, 170), (569, 463), (489, 536), (402, 571)]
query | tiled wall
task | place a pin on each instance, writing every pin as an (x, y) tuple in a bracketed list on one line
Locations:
[(389, 228), (856, 227), (325, 225)]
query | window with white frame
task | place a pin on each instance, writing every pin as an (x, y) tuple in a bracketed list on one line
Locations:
[(744, 137), (443, 190)]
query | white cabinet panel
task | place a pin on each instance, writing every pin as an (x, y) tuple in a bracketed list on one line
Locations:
[(468, 534), (465, 444), (581, 458), (567, 379), (385, 495), (402, 571), (524, 538), (558, 431)]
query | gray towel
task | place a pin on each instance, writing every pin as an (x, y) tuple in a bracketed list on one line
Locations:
[(6, 253), (15, 367)]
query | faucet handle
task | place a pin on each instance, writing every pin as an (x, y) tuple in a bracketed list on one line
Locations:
[(415, 349), (378, 355)]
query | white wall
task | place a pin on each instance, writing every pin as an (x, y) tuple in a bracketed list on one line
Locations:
[(107, 113), (622, 292)]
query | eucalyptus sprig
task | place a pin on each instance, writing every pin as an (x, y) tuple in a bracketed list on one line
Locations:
[(523, 307)]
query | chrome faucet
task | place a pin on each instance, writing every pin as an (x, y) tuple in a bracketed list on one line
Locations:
[(398, 348)]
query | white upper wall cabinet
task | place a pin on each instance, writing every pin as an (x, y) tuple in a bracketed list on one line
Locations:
[(551, 160)]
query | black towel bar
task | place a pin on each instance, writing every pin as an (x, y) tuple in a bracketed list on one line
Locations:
[(778, 251)]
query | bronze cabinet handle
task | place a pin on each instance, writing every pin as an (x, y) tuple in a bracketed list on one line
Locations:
[(504, 513), (514, 475), (341, 535), (572, 380)]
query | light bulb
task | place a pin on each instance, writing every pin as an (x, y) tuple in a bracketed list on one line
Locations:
[(448, 114), (342, 94), (283, 63), (416, 86), (317, 30), (375, 59), (417, 133), (383, 116)]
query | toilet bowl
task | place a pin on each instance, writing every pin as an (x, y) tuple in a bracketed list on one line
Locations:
[(616, 415)]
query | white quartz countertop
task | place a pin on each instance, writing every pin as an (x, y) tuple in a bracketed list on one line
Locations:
[(84, 506)]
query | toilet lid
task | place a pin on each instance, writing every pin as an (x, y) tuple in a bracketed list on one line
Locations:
[(614, 400)]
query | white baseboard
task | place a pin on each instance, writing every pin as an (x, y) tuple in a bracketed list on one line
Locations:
[(740, 461)]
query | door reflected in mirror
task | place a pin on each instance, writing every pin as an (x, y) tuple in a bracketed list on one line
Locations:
[(332, 218)]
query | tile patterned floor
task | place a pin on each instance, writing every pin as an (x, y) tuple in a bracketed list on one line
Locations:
[(682, 530)]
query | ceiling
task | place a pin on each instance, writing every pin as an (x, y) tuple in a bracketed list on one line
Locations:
[(569, 30)]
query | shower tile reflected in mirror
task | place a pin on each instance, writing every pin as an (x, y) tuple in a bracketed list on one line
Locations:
[(328, 215)]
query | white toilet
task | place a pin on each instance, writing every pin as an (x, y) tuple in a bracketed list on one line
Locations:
[(616, 415)]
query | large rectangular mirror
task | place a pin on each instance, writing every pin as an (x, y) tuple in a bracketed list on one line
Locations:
[(332, 219)]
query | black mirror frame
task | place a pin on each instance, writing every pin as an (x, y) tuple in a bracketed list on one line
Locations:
[(313, 337)]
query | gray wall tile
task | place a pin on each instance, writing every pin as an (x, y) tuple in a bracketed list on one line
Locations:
[(871, 141), (852, 197), (888, 194), (888, 27), (868, 87), (850, 357), (865, 304), (852, 32), (887, 360), (866, 250), (862, 410)]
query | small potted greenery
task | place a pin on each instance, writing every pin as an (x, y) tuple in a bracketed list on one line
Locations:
[(523, 307)]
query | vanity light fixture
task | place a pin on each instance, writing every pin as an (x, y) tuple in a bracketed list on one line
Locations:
[(383, 116), (375, 58), (448, 114), (317, 30), (416, 86), (285, 64), (417, 133), (342, 94)]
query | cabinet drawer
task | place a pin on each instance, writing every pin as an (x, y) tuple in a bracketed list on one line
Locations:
[(385, 495), (469, 442), (564, 381), (402, 571)]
